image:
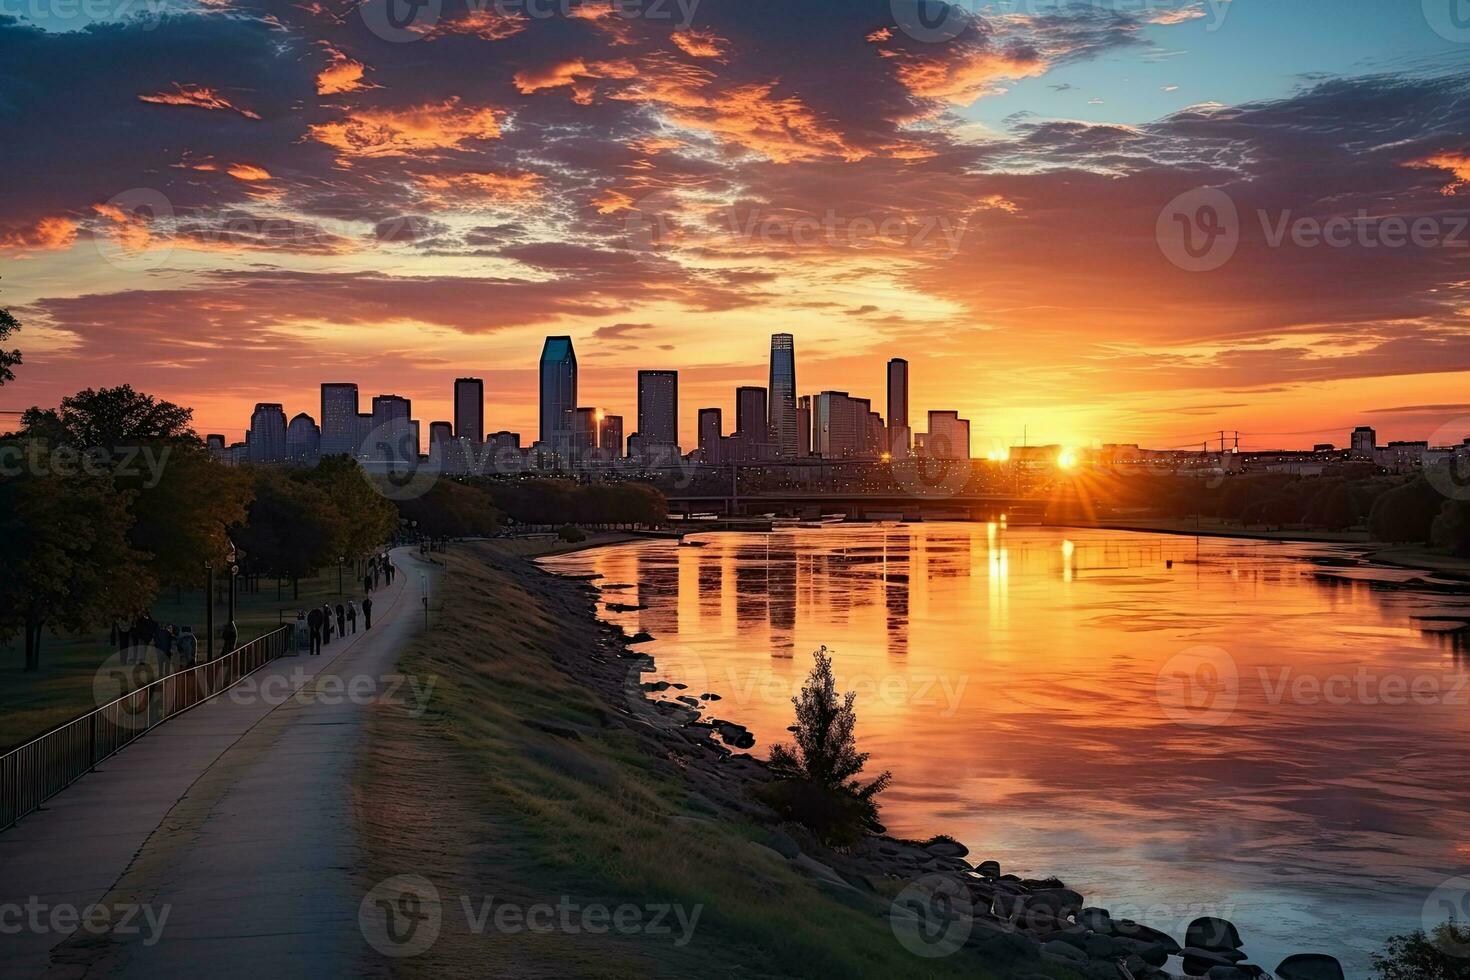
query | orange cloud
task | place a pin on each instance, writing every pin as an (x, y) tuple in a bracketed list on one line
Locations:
[(569, 72), (960, 81), (488, 25), (880, 35), (198, 96), (45, 235), (1457, 163), (699, 44), (247, 172), (1179, 16), (342, 74), (131, 228), (439, 188), (397, 132), (654, 145), (612, 201)]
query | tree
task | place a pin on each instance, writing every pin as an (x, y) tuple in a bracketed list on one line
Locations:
[(1405, 513), (1417, 956), (452, 510), (68, 563), (819, 785), (181, 520), (1451, 529), (365, 518), (111, 418), (9, 359), (291, 530)]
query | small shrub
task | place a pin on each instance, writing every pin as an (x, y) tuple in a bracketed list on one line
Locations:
[(571, 533), (1441, 955)]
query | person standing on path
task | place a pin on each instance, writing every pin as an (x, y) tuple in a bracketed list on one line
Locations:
[(314, 623), (164, 640), (341, 620), (188, 648), (352, 614), (326, 625), (367, 583), (367, 612)]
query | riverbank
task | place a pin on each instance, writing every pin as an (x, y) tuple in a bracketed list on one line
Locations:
[(541, 776)]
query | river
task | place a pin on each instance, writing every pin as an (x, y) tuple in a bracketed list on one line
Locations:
[(1174, 726)]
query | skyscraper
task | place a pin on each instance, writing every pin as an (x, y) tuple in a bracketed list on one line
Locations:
[(658, 408), (898, 407), (948, 437), (267, 438), (840, 424), (558, 393), (752, 430), (585, 427), (340, 435), (611, 437), (782, 418), (804, 426), (394, 436), (710, 430), (469, 409), (441, 432), (303, 440)]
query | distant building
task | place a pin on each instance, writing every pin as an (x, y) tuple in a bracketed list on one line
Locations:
[(1363, 441), (840, 426), (303, 440), (752, 427), (440, 432), (804, 426), (339, 414), (267, 436), (898, 407), (469, 410), (585, 432), (214, 442), (610, 440), (711, 433), (948, 437), (558, 393), (658, 409), (394, 436), (782, 405)]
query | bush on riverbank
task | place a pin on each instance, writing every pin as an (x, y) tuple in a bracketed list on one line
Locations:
[(1441, 955)]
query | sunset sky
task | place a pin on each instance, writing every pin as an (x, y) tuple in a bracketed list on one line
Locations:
[(232, 201)]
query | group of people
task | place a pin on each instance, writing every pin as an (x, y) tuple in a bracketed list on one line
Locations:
[(177, 647), (379, 570), (316, 628)]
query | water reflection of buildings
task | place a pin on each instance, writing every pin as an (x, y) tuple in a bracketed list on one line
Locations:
[(895, 586)]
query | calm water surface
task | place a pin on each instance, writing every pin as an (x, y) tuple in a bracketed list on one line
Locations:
[(1253, 732)]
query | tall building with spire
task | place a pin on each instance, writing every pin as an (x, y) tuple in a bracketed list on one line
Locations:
[(898, 407), (469, 409), (782, 411), (558, 394)]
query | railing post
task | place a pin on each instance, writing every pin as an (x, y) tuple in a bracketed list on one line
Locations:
[(92, 742)]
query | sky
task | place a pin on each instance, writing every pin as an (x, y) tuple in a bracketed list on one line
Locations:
[(1081, 222)]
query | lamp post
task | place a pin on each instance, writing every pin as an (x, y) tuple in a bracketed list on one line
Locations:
[(341, 564), (232, 632), (208, 611)]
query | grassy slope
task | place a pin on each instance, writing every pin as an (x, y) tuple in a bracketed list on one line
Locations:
[(534, 815)]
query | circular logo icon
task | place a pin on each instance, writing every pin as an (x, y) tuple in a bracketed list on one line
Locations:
[(401, 916), (129, 229), (932, 916), (1199, 686), (401, 21), (1449, 905), (929, 21), (1451, 476), (1450, 19), (1199, 230), (122, 676), (390, 457), (929, 476)]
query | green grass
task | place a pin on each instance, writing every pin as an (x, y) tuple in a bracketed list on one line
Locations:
[(32, 703), (598, 815)]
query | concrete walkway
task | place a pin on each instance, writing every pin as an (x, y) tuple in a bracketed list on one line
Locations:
[(233, 820)]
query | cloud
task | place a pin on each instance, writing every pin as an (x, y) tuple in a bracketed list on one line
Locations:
[(409, 130), (618, 330), (45, 234), (198, 96)]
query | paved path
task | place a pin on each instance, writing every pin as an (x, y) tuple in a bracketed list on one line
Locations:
[(234, 820)]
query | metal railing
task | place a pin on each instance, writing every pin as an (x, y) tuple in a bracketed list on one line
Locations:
[(36, 771)]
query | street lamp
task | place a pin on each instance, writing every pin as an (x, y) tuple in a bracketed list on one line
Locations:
[(232, 632), (208, 611), (341, 564)]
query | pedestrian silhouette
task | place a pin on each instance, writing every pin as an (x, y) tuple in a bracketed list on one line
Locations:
[(367, 612), (314, 621)]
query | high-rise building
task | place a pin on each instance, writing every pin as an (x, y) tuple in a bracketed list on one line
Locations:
[(752, 428), (1364, 441), (469, 410), (611, 438), (898, 407), (394, 434), (782, 414), (948, 436), (711, 429), (558, 393), (340, 435), (840, 425), (303, 440), (267, 436), (804, 426), (441, 432), (658, 408), (586, 436)]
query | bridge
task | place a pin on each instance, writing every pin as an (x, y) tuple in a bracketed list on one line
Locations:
[(897, 505)]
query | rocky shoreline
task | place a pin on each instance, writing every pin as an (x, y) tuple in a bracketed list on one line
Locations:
[(944, 902)]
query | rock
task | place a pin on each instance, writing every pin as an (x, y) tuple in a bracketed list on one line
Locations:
[(1058, 901), (1129, 929), (1102, 947), (1095, 919), (1154, 954), (1198, 962), (1229, 973), (817, 869), (990, 869), (1209, 932), (1063, 952), (783, 843), (1309, 966), (642, 636), (943, 846), (709, 697), (692, 702)]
